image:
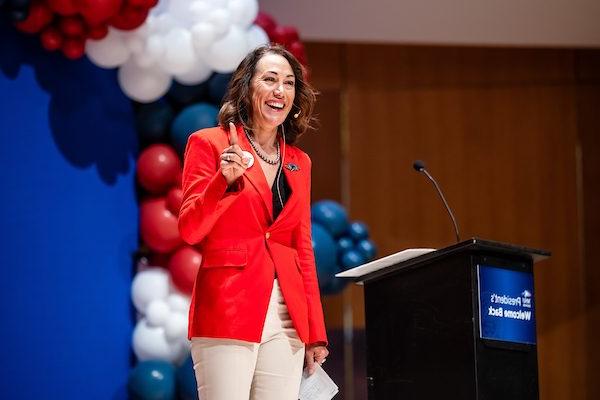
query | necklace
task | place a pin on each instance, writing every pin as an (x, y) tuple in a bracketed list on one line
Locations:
[(259, 151)]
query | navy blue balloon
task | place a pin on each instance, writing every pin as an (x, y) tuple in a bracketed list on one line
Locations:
[(192, 118), (153, 120), (152, 380), (325, 254), (344, 244), (186, 381), (367, 248), (358, 231), (334, 287), (330, 215), (352, 258), (217, 87), (184, 94)]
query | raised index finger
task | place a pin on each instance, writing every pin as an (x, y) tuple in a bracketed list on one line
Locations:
[(233, 136)]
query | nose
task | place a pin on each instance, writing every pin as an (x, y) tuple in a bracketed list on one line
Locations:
[(279, 90)]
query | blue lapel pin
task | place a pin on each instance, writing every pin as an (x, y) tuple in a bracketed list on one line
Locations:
[(292, 167)]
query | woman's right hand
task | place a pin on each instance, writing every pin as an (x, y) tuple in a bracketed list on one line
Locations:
[(233, 162)]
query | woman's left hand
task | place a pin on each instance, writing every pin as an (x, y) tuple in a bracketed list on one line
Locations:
[(315, 353)]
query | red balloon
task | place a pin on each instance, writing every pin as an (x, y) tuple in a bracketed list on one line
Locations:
[(158, 168), (129, 18), (72, 26), (51, 39), (158, 226), (297, 49), (266, 22), (98, 32), (143, 3), (184, 265), (174, 200), (74, 48), (285, 35), (39, 17), (97, 12), (64, 7)]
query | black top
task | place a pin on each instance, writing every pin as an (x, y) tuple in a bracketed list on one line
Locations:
[(281, 192)]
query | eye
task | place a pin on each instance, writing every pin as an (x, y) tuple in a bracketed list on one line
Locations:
[(269, 79), (290, 83)]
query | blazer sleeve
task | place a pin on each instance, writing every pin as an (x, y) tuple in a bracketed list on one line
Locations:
[(205, 192), (303, 241)]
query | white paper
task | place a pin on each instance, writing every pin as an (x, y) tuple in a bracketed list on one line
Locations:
[(318, 386), (382, 263)]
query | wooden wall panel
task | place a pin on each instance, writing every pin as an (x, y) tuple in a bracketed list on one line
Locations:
[(512, 137)]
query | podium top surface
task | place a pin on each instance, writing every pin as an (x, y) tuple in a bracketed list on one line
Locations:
[(411, 257)]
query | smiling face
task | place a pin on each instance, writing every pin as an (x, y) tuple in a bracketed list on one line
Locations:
[(273, 91)]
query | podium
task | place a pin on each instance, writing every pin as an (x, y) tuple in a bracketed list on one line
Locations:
[(454, 323)]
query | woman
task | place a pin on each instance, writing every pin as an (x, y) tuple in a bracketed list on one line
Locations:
[(256, 314)]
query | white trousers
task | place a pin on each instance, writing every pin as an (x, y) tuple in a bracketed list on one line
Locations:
[(228, 369)]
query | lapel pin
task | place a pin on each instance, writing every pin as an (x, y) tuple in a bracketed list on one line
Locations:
[(292, 167)]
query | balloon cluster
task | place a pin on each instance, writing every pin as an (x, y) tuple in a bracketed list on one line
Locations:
[(286, 36), (66, 25), (338, 244), (186, 40)]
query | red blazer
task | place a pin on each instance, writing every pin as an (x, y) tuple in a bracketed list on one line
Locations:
[(242, 247)]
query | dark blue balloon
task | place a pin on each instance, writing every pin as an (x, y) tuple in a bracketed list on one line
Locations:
[(334, 287), (153, 120), (330, 215), (217, 87), (184, 94), (325, 254), (358, 231), (352, 258), (186, 381), (344, 244), (152, 380), (192, 118), (367, 248)]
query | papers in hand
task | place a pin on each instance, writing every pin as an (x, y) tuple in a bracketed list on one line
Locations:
[(317, 386)]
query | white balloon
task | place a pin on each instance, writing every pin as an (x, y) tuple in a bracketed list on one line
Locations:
[(255, 37), (155, 46), (109, 52), (180, 10), (220, 19), (224, 55), (243, 12), (203, 35), (157, 313), (178, 303), (143, 84), (179, 55), (164, 23), (150, 343), (148, 285), (200, 10), (199, 73), (176, 327)]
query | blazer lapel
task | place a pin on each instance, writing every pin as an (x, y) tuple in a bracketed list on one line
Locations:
[(254, 174), (294, 179)]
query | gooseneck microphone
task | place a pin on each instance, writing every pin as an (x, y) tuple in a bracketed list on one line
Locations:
[(419, 166)]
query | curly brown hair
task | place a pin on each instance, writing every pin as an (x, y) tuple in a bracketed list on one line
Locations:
[(237, 105)]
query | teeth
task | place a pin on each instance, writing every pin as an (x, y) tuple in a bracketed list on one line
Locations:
[(275, 104)]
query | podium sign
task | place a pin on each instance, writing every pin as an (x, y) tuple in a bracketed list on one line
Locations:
[(506, 304)]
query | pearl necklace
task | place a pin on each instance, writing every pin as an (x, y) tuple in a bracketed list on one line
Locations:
[(261, 153)]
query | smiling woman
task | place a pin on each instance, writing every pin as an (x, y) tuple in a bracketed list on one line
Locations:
[(256, 314)]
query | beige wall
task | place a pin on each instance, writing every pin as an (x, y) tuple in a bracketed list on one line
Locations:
[(565, 23)]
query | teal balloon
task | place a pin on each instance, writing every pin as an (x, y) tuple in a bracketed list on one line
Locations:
[(367, 248), (190, 119), (344, 244), (358, 230), (152, 380), (352, 258), (330, 215), (153, 120), (325, 254), (186, 381)]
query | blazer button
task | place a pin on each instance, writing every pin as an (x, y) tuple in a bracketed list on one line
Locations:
[(268, 235)]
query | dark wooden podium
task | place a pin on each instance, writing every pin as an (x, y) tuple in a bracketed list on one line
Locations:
[(425, 339)]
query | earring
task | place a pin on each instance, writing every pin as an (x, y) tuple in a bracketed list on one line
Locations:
[(298, 113)]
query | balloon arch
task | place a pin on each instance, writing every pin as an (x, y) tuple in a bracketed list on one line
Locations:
[(174, 60)]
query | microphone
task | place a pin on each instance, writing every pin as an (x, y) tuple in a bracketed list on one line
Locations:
[(419, 166)]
